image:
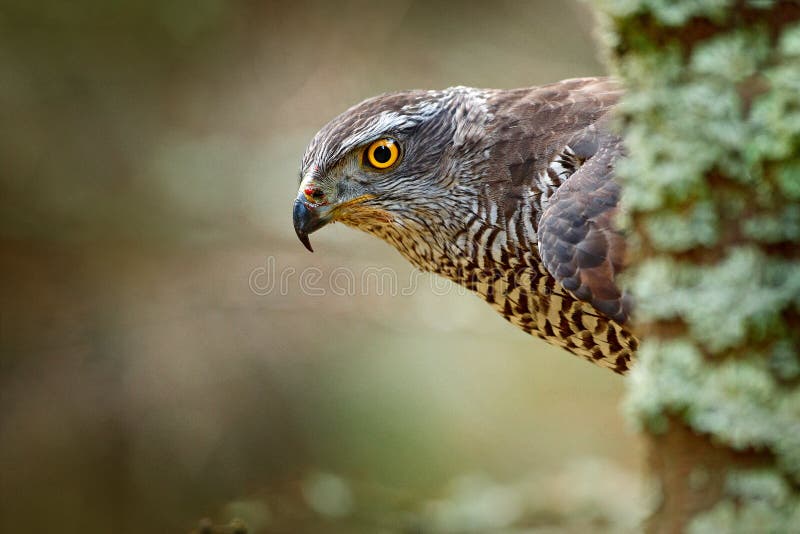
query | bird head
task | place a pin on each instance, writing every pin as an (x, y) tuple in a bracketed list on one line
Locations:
[(393, 165)]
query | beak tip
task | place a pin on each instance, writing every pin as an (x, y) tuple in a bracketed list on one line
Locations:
[(305, 241), (303, 222)]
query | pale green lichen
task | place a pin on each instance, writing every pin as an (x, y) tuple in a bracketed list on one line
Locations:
[(731, 57), (738, 299), (774, 228), (751, 517), (789, 41), (734, 403), (787, 441), (788, 180), (739, 402), (761, 484), (776, 127), (757, 500), (670, 152), (668, 12), (651, 392), (784, 360), (775, 119), (696, 226), (650, 69)]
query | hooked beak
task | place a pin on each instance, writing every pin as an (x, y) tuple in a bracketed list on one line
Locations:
[(308, 218)]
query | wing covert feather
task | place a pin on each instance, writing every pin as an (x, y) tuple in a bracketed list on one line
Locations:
[(578, 240)]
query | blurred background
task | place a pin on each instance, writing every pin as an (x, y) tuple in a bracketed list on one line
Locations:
[(154, 369)]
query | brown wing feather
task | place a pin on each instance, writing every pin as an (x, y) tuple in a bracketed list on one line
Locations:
[(578, 241), (532, 126)]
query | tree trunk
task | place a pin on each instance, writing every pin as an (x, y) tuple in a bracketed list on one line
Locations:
[(712, 199)]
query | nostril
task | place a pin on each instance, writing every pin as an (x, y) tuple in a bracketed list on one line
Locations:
[(314, 194)]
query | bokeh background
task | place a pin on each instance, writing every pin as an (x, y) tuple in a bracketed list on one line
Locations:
[(148, 160)]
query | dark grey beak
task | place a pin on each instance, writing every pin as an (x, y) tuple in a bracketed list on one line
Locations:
[(307, 219)]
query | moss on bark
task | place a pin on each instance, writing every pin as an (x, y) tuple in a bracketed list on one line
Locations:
[(712, 196)]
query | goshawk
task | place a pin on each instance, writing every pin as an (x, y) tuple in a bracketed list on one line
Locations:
[(510, 193)]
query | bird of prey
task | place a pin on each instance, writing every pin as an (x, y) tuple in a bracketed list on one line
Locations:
[(510, 193)]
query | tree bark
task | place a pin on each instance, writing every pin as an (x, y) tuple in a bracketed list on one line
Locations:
[(711, 196)]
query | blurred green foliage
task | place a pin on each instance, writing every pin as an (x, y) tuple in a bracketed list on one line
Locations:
[(148, 162)]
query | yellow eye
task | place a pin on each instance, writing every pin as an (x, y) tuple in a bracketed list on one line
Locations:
[(383, 153)]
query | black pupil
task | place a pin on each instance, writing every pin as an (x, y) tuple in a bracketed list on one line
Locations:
[(382, 154)]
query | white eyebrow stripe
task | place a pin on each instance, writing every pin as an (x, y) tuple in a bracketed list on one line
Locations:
[(384, 122), (330, 148)]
